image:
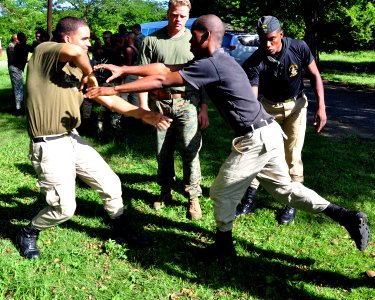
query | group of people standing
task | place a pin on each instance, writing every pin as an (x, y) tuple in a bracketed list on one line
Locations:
[(120, 48), (178, 70)]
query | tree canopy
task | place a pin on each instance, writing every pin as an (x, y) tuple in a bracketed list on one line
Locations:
[(324, 24), (29, 15)]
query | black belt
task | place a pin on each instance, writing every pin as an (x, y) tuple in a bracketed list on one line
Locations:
[(261, 123), (47, 138)]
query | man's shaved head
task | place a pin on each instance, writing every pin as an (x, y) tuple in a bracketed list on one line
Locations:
[(212, 24)]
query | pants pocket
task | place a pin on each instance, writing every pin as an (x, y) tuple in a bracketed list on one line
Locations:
[(242, 144)]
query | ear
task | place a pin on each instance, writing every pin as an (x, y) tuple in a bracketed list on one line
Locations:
[(281, 34), (66, 39), (205, 37)]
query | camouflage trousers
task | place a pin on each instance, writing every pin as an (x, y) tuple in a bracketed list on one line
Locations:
[(16, 78), (184, 133)]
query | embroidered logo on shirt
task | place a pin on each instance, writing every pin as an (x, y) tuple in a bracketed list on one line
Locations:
[(293, 70)]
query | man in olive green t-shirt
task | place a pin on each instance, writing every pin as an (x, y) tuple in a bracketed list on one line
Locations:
[(170, 45), (56, 73)]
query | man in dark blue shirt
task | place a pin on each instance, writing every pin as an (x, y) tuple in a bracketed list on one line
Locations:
[(275, 70)]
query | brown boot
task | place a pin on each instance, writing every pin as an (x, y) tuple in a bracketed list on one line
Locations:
[(194, 211)]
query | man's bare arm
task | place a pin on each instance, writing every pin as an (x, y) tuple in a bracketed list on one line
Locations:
[(144, 70), (118, 104), (144, 84)]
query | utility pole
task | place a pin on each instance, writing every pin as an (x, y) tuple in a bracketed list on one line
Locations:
[(49, 17)]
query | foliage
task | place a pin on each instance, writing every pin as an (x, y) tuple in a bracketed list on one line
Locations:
[(28, 15), (21, 16), (362, 23), (326, 25), (348, 28)]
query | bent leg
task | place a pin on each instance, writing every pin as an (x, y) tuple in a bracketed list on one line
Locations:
[(247, 158), (53, 162), (94, 171)]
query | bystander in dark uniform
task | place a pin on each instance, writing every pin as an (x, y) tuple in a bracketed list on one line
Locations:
[(17, 67), (275, 71)]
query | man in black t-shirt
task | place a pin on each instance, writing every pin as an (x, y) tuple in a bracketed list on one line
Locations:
[(17, 67), (276, 71), (257, 149)]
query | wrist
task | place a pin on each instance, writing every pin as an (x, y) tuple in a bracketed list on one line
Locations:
[(91, 73)]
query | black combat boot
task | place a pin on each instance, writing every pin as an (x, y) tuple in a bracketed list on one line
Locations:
[(26, 240), (122, 234), (247, 205), (287, 215), (355, 222), (222, 249)]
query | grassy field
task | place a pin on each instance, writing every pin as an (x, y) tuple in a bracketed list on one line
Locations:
[(313, 258), (353, 68)]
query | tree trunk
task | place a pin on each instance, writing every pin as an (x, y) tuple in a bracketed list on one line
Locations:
[(311, 32)]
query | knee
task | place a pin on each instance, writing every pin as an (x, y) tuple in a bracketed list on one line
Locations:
[(111, 188), (67, 212)]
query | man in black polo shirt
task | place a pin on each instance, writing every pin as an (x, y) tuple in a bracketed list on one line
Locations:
[(257, 149), (275, 70)]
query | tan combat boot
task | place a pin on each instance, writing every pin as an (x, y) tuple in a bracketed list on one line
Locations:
[(194, 211)]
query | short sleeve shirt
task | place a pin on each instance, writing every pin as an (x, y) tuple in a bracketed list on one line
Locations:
[(226, 84), (284, 80), (53, 97), (160, 47)]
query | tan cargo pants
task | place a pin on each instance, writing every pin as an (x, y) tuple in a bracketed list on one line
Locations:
[(57, 163), (259, 154)]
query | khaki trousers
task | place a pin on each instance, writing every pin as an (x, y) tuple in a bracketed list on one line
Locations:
[(260, 155), (292, 116), (57, 163)]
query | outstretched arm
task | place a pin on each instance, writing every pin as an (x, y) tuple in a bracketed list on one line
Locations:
[(144, 84), (144, 70), (118, 104)]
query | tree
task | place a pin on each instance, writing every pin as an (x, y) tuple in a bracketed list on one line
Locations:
[(17, 16), (325, 24), (27, 15)]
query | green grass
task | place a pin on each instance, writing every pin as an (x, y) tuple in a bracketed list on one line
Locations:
[(349, 57), (352, 68), (313, 258)]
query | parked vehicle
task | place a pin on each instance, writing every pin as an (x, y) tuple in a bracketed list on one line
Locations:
[(240, 45)]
